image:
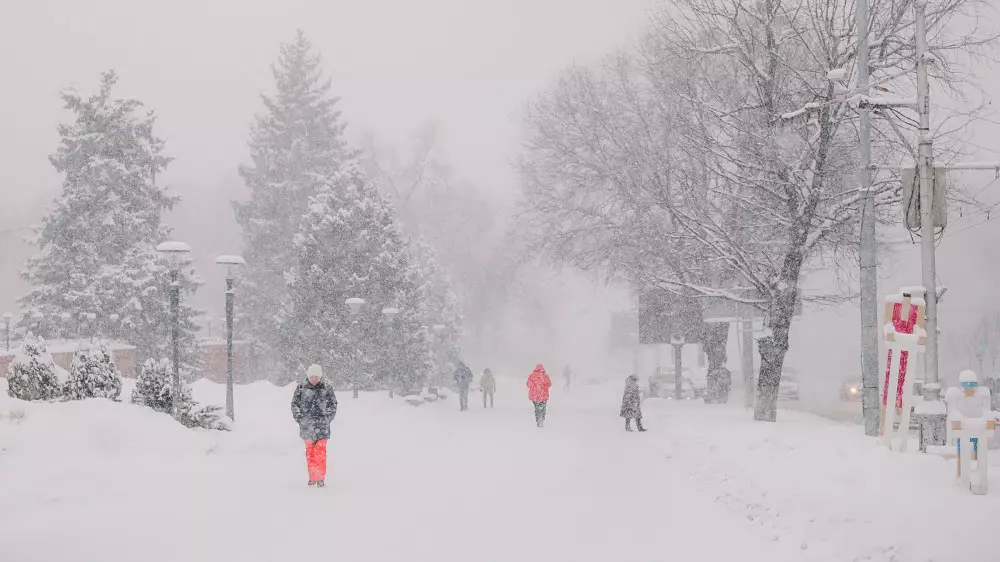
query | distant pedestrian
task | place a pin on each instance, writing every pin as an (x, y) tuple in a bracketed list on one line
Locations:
[(632, 403), (314, 405), (538, 385), (568, 375), (463, 379), (488, 384)]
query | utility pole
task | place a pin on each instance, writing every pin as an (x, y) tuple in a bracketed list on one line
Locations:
[(869, 273), (925, 169)]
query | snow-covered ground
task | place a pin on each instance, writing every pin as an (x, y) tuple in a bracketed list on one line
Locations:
[(98, 481)]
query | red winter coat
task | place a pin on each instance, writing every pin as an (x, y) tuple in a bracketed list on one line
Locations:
[(539, 384)]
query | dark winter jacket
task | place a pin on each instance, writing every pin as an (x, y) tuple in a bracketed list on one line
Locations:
[(314, 406), (463, 376), (632, 398)]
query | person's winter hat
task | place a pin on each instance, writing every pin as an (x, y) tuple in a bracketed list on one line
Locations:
[(314, 371)]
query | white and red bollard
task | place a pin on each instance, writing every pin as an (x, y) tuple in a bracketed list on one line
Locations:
[(904, 337), (971, 423)]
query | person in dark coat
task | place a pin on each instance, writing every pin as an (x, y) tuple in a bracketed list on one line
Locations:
[(314, 405), (463, 379), (632, 403)]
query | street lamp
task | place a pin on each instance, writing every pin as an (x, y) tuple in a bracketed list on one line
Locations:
[(355, 304), (438, 330), (65, 317), (114, 318), (175, 252), (388, 315), (231, 263), (91, 320), (678, 343), (6, 320)]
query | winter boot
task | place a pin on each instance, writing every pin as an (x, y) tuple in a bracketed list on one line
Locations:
[(638, 424), (312, 484), (320, 484)]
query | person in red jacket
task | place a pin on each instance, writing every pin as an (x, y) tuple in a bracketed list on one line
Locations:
[(538, 392)]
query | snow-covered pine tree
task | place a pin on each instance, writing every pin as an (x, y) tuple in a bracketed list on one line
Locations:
[(93, 374), (96, 247), (32, 373), (440, 307), (350, 246), (297, 139), (153, 387)]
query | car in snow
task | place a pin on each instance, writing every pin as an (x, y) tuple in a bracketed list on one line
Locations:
[(662, 385), (788, 387), (850, 389)]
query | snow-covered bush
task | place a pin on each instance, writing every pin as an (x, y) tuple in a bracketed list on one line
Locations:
[(32, 374), (154, 389), (93, 374)]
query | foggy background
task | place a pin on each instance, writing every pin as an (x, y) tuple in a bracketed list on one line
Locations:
[(399, 65)]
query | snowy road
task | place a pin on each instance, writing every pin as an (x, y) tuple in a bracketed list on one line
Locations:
[(426, 484), (95, 481)]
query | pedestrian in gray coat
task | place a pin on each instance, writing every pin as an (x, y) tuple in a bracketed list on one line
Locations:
[(463, 379), (314, 405), (632, 403)]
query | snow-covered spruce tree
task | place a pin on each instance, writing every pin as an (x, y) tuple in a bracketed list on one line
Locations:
[(350, 246), (440, 307), (153, 386), (154, 389), (298, 138), (96, 247), (93, 374), (32, 373)]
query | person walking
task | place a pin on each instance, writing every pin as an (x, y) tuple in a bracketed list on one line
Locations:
[(463, 378), (488, 384), (538, 385), (568, 375), (632, 403), (314, 405)]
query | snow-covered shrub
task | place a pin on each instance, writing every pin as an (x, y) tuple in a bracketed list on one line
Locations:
[(93, 374), (32, 374), (414, 399), (153, 387), (204, 416), (155, 390)]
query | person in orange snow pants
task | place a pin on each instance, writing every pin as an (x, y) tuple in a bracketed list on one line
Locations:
[(314, 405)]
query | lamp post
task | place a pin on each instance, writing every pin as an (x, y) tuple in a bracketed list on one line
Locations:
[(114, 318), (6, 320), (388, 315), (678, 343), (92, 322), (438, 330), (175, 253), (354, 304), (231, 263)]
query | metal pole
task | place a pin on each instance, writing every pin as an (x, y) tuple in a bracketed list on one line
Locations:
[(230, 296), (925, 165), (678, 372), (7, 331), (356, 363), (869, 273), (175, 311), (747, 362)]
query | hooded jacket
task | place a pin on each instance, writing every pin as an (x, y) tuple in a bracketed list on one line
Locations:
[(463, 376), (631, 398), (539, 384), (314, 406)]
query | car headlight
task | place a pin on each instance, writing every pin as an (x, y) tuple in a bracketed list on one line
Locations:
[(854, 390)]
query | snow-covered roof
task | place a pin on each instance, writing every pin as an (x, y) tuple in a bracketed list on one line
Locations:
[(230, 260)]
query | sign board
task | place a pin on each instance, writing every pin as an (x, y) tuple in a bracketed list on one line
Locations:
[(664, 315), (720, 309), (624, 330), (911, 198)]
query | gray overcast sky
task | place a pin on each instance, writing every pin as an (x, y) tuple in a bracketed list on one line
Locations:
[(201, 65), (469, 64)]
